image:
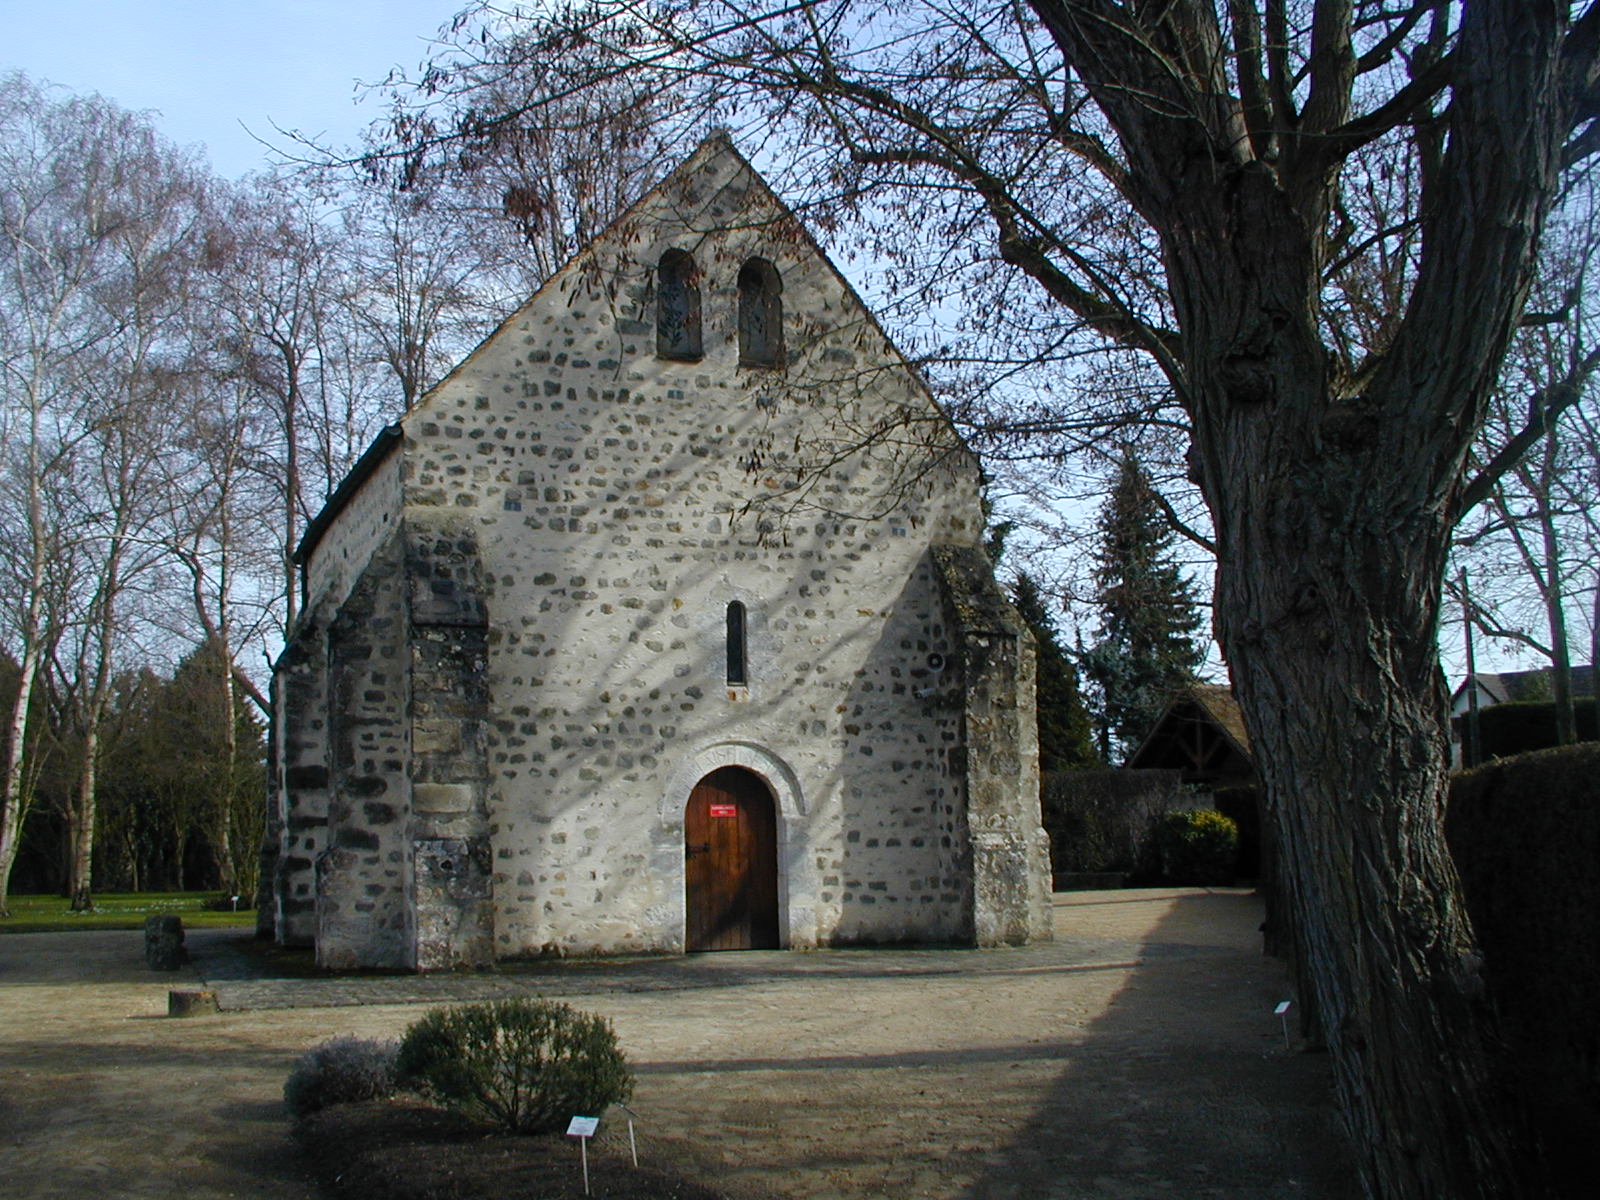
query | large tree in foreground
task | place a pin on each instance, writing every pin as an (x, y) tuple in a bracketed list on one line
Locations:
[(1318, 219)]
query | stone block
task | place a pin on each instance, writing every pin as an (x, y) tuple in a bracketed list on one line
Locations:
[(443, 797), (163, 942), (191, 1002), (436, 737)]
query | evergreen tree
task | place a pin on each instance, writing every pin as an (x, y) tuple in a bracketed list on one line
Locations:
[(1066, 736), (1147, 647)]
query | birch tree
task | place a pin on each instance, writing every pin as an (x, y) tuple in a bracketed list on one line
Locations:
[(66, 165)]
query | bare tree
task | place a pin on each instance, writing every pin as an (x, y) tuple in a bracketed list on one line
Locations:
[(532, 163), (421, 293), (1533, 537), (125, 209), (71, 205), (113, 552)]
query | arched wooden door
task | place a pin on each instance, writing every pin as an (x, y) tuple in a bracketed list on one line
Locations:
[(730, 853)]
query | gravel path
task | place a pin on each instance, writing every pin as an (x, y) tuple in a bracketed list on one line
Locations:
[(1135, 1057)]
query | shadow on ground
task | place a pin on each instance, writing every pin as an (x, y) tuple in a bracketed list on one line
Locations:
[(1183, 1086)]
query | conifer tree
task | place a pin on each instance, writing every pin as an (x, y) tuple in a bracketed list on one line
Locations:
[(1066, 735), (1147, 647)]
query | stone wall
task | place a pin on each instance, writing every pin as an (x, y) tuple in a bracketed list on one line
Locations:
[(453, 893), (369, 516), (621, 502), (1010, 868), (298, 782)]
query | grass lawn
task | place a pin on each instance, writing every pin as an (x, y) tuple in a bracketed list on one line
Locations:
[(120, 910)]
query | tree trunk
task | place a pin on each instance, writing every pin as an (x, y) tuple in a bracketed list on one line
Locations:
[(1555, 599), (15, 798), (227, 876), (1594, 654), (1332, 493), (81, 850), (1356, 801), (13, 782)]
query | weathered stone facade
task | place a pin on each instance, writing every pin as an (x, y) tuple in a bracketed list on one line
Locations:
[(516, 661)]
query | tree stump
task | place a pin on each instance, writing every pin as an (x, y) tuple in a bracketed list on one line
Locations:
[(191, 1002), (163, 943)]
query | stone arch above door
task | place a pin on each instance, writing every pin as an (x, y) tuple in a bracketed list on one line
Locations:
[(774, 771)]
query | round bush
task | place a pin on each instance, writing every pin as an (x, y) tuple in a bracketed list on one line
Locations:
[(527, 1065), (342, 1070), (1198, 846)]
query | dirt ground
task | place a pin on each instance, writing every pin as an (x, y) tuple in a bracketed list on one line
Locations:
[(1138, 1056)]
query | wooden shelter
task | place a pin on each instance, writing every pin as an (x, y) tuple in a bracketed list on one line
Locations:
[(1202, 734)]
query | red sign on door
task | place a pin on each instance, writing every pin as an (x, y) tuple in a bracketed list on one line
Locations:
[(724, 810)]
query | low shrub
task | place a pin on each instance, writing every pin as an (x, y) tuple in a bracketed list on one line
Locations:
[(342, 1070), (1196, 846), (526, 1065)]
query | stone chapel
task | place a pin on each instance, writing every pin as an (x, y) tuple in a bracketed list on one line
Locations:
[(661, 624)]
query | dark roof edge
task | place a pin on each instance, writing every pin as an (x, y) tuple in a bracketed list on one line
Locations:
[(389, 437), (1204, 696)]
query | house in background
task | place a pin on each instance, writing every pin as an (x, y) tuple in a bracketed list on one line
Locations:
[(1493, 688), (661, 624)]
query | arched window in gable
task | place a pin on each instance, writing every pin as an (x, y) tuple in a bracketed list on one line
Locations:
[(678, 307), (736, 644), (760, 314)]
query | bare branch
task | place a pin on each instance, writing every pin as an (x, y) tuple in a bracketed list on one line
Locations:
[(1544, 406)]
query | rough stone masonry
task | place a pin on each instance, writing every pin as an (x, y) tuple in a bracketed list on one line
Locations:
[(687, 512)]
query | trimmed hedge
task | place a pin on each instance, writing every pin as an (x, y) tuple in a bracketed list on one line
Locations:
[(1507, 729), (1525, 836), (1099, 821)]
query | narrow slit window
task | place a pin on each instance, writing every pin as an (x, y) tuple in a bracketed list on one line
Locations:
[(678, 307), (760, 314), (736, 644)]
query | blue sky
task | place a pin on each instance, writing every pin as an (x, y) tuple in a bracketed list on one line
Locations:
[(222, 70)]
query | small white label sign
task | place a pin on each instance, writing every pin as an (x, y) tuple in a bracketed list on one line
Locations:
[(1281, 1009), (583, 1127)]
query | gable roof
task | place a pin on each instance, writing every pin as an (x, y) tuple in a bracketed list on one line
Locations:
[(1507, 687), (1202, 732), (717, 148), (715, 153)]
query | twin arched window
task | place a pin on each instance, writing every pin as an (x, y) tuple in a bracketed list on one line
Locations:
[(678, 311)]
